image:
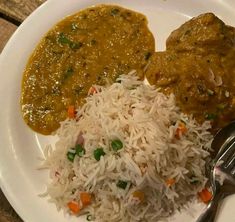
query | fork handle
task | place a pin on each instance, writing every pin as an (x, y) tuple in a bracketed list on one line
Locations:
[(209, 213)]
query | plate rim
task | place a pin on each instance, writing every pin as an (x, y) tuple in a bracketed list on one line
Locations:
[(3, 184)]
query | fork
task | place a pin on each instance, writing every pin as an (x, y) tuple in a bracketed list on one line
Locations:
[(222, 178)]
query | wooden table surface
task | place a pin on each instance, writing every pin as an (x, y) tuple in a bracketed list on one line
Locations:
[(12, 14)]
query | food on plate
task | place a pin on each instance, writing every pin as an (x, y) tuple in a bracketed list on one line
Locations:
[(95, 45), (129, 154), (98, 44), (126, 150), (198, 66)]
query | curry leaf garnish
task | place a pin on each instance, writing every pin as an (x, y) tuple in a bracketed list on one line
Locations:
[(62, 39), (69, 72)]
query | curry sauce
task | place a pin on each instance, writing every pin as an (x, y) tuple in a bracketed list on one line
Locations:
[(96, 45), (93, 46)]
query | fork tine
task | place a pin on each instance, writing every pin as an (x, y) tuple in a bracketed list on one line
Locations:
[(231, 162), (233, 172), (228, 152)]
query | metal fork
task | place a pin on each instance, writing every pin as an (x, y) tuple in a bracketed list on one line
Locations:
[(223, 169)]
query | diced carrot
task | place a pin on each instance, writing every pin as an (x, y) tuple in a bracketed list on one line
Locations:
[(181, 129), (139, 195), (205, 195), (92, 91), (71, 112), (170, 182), (74, 207), (85, 198)]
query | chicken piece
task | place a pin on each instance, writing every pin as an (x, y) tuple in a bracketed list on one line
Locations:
[(203, 34), (199, 68)]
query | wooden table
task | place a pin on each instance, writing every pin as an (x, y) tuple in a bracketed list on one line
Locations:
[(12, 14)]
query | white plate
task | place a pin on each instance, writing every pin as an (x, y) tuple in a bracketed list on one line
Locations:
[(21, 147)]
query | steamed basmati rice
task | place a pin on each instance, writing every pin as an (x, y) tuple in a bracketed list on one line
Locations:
[(145, 120)]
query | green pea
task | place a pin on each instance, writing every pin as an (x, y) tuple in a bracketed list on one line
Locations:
[(80, 151), (122, 184), (117, 144), (71, 155), (98, 153)]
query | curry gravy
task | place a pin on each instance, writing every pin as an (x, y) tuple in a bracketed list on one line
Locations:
[(93, 46)]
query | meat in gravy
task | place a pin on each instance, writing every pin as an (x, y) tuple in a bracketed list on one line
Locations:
[(198, 66)]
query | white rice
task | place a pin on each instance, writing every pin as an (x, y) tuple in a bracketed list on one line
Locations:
[(145, 120)]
